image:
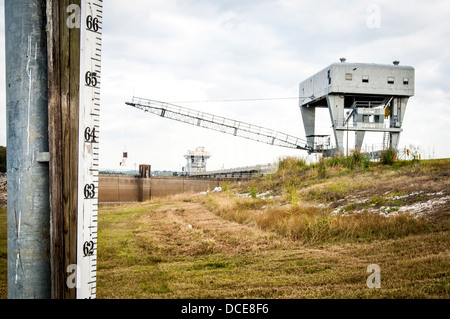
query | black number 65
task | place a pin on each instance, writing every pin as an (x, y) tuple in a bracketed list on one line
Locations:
[(91, 78)]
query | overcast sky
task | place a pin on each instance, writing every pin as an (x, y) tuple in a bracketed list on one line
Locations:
[(199, 50)]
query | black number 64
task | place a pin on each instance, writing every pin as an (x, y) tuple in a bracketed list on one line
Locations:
[(89, 135)]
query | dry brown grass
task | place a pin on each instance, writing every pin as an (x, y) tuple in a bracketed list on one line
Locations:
[(289, 246), (279, 248), (149, 251), (313, 224)]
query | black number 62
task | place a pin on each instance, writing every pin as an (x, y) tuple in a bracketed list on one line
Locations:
[(88, 248)]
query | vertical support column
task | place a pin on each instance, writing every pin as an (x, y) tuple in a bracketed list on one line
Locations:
[(398, 109), (27, 136), (309, 122), (359, 139), (336, 108), (42, 78), (395, 138), (144, 182), (144, 185), (69, 50), (63, 44), (55, 147)]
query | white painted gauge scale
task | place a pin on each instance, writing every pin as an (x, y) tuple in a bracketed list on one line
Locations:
[(88, 158)]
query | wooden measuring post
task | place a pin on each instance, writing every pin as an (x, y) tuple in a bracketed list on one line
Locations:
[(53, 76), (63, 44), (74, 67)]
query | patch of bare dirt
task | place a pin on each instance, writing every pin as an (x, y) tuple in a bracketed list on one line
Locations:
[(418, 204), (191, 229)]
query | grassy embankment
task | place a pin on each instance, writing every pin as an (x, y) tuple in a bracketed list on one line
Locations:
[(312, 236), (308, 231)]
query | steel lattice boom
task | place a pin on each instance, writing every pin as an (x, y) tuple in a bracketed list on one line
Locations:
[(218, 123)]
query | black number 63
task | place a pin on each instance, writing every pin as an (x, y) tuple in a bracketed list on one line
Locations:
[(89, 191)]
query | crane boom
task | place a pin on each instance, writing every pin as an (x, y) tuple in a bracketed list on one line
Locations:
[(218, 123)]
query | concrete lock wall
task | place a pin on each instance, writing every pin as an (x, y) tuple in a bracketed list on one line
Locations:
[(125, 188)]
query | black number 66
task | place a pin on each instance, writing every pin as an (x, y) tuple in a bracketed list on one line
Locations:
[(92, 23)]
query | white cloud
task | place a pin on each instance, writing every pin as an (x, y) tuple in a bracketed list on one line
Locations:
[(204, 50)]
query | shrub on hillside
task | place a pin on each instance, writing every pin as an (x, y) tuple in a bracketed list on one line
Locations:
[(388, 156)]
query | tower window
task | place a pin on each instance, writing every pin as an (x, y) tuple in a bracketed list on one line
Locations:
[(405, 81), (365, 79), (390, 80), (348, 76)]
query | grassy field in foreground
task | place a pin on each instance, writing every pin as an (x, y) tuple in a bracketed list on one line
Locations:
[(149, 251), (308, 231), (305, 232)]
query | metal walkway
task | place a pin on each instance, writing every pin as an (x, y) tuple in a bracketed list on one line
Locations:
[(218, 123), (240, 172)]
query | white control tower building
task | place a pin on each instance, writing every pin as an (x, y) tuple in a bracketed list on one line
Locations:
[(196, 161), (360, 97)]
